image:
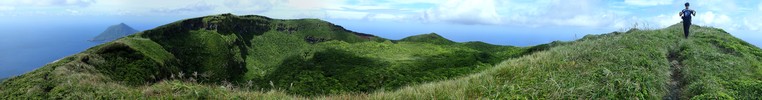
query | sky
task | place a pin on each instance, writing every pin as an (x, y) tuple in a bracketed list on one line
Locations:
[(459, 20)]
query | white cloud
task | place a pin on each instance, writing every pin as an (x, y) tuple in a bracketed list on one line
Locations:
[(314, 4), (197, 7), (418, 1), (648, 2), (7, 8), (520, 12), (716, 5), (73, 12), (752, 24), (579, 20), (574, 13), (336, 14), (715, 20), (666, 20), (43, 7), (47, 2), (751, 21), (463, 12), (583, 13), (290, 9), (384, 16), (711, 18), (250, 6), (79, 2)]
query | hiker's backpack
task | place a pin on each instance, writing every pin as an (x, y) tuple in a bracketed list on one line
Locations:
[(687, 13)]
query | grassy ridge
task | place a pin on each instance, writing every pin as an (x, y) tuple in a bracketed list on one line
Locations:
[(432, 38), (721, 66), (614, 66), (305, 57), (629, 65), (263, 58), (368, 66), (332, 67)]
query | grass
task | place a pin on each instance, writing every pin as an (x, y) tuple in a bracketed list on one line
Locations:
[(722, 66), (432, 38), (298, 67), (254, 53), (627, 65), (254, 57), (370, 66), (621, 66)]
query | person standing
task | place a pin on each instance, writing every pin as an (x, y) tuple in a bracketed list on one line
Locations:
[(686, 16)]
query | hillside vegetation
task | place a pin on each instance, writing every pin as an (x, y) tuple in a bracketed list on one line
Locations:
[(254, 57), (636, 64), (305, 57)]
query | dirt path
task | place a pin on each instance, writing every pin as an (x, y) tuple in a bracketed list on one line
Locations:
[(676, 81)]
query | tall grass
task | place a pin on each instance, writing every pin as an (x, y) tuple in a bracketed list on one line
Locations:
[(626, 66), (283, 64)]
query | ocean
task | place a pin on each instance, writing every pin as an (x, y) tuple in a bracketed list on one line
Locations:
[(24, 50)]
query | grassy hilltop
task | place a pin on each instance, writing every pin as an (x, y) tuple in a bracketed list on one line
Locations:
[(712, 64), (255, 57)]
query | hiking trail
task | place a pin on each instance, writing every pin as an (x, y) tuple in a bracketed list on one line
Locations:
[(676, 82)]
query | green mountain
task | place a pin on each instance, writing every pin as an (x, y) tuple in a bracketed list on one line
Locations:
[(432, 38), (114, 32), (306, 57), (255, 57)]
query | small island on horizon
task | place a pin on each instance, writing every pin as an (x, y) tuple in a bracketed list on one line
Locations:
[(114, 32)]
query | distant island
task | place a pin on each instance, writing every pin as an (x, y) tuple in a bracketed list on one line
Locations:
[(114, 32)]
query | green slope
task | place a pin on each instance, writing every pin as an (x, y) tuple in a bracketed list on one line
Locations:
[(254, 57), (637, 64), (215, 55), (432, 38)]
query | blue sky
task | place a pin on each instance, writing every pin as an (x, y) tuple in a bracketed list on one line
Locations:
[(455, 19)]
